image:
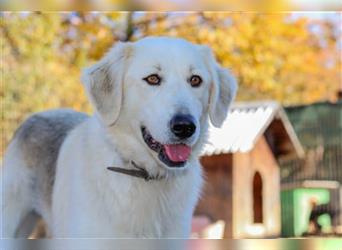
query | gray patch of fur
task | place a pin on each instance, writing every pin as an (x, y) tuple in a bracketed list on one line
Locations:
[(39, 138)]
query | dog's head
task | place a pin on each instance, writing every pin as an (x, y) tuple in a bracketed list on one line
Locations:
[(161, 90)]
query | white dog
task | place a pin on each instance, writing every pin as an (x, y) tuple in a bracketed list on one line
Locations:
[(131, 169)]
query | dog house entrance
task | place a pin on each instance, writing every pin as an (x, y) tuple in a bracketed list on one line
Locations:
[(257, 199)]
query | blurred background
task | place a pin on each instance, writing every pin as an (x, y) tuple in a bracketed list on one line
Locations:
[(274, 168), (168, 5)]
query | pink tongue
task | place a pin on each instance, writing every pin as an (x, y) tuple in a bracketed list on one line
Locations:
[(177, 152)]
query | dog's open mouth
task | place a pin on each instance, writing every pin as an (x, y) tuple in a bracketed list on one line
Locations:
[(173, 155)]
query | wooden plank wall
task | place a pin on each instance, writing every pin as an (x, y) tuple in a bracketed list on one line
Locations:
[(216, 201)]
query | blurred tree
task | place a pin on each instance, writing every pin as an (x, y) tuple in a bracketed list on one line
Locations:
[(41, 55), (274, 56)]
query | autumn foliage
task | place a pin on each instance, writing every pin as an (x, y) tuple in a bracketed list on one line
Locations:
[(284, 57)]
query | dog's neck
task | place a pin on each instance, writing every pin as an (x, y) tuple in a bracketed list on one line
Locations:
[(137, 171), (129, 149), (132, 164)]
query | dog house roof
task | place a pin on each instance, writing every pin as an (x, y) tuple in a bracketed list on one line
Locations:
[(246, 123)]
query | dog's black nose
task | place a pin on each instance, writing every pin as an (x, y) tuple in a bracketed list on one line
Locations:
[(183, 126)]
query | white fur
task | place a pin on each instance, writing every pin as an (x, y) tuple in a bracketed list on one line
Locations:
[(90, 201)]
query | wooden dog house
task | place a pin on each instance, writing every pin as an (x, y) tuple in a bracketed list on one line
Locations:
[(241, 171)]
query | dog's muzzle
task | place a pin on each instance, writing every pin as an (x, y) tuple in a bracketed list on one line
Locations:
[(172, 155)]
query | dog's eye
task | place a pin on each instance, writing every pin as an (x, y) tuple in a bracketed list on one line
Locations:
[(195, 80), (153, 79)]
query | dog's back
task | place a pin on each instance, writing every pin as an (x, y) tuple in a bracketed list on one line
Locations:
[(29, 167)]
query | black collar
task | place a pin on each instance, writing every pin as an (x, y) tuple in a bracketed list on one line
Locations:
[(138, 172)]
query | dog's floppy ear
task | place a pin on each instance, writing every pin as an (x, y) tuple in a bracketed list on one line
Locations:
[(222, 90), (104, 82)]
